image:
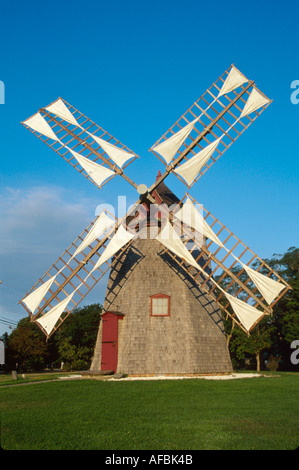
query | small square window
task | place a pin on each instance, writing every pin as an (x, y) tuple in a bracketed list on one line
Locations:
[(160, 305)]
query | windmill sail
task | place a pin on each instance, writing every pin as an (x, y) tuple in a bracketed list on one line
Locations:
[(39, 124), (99, 227), (247, 314), (119, 156), (214, 116), (121, 238), (169, 147), (234, 79), (97, 172), (192, 217), (169, 238), (233, 281), (60, 109), (269, 288), (34, 299), (79, 277), (70, 138), (255, 101), (49, 319), (190, 169)]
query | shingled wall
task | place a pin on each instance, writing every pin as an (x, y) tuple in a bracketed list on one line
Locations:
[(189, 341)]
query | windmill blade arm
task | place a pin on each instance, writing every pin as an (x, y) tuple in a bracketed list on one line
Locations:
[(202, 135), (97, 156), (212, 116), (239, 283), (75, 302), (73, 137), (76, 271), (237, 261), (70, 264)]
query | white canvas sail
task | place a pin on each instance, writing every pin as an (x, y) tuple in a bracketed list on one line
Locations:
[(97, 172), (39, 124), (102, 223), (34, 299), (168, 148), (121, 237), (61, 110), (49, 319), (192, 217), (233, 81), (254, 102), (189, 170), (118, 155), (267, 287), (169, 238), (247, 314)]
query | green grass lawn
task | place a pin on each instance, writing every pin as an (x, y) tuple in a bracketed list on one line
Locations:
[(256, 413), (6, 379)]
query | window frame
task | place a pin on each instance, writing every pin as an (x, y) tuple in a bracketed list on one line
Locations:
[(160, 296)]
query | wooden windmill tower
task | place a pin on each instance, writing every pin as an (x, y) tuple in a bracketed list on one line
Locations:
[(171, 263)]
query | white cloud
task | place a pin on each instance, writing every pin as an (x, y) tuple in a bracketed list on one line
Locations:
[(41, 219)]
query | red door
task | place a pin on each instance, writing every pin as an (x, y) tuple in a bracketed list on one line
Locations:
[(109, 341)]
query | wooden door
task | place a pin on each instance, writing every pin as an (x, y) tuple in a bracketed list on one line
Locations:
[(109, 341)]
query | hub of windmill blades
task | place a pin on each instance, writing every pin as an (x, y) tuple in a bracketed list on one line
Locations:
[(142, 189)]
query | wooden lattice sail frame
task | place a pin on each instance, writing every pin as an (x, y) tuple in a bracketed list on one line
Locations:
[(221, 117), (74, 273), (212, 258), (79, 139), (238, 248)]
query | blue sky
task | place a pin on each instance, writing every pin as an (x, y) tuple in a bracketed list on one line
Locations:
[(134, 67)]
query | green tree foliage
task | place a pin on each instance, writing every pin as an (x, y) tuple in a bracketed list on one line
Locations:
[(243, 346), (286, 311), (72, 344), (26, 347), (76, 338), (81, 326)]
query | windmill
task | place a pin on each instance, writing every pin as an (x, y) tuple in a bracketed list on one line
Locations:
[(173, 265)]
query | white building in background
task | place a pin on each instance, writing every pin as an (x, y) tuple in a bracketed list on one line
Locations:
[(2, 352)]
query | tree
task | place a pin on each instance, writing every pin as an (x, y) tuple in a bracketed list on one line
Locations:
[(286, 310), (26, 346), (67, 351), (74, 342), (76, 338), (244, 346), (73, 357)]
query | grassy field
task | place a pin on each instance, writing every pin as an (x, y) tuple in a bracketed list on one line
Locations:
[(257, 413)]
